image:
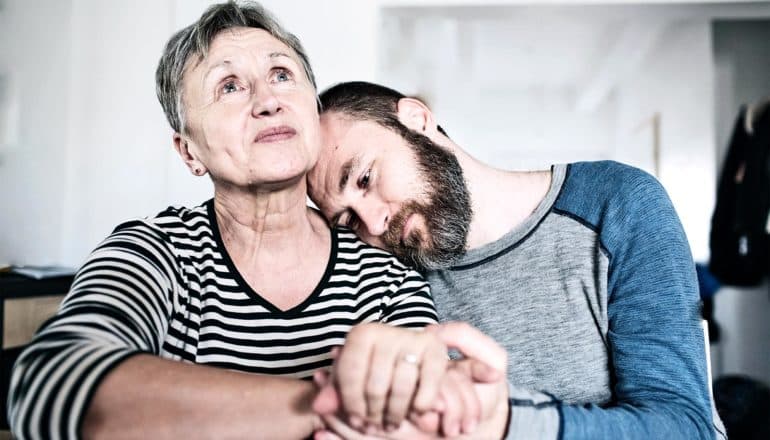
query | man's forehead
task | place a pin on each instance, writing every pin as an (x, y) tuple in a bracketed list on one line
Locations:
[(335, 125), (332, 171), (334, 162), (319, 179), (336, 150)]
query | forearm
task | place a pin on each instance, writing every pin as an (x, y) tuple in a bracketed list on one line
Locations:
[(149, 397), (654, 420), (538, 415)]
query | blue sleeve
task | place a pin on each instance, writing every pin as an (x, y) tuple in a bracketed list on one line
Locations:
[(657, 354)]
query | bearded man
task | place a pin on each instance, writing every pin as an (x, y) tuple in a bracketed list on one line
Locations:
[(581, 272)]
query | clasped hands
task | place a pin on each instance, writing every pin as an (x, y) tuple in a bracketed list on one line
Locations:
[(391, 382)]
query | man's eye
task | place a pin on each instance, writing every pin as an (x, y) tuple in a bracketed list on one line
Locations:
[(363, 182), (349, 220), (352, 221)]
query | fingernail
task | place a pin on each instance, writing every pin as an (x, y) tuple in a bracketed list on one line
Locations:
[(390, 427), (356, 422)]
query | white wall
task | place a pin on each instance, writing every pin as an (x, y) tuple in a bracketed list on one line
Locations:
[(675, 81), (118, 138), (35, 55), (495, 81), (528, 129)]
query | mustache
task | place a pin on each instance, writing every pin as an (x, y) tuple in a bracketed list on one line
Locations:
[(392, 236)]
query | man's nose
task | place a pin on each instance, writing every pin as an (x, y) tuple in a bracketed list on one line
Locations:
[(264, 101), (375, 216)]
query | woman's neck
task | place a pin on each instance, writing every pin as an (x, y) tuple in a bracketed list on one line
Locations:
[(266, 224), (278, 244)]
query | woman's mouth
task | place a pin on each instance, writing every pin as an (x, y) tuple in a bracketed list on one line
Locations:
[(275, 134)]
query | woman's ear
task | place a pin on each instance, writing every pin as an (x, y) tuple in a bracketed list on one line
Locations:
[(416, 116), (182, 145)]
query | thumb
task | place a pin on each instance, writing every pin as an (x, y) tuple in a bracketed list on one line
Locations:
[(474, 344), (477, 370), (481, 372), (327, 401)]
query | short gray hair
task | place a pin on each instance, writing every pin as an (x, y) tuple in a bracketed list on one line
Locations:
[(194, 41)]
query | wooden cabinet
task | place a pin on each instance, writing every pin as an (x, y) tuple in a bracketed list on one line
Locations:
[(23, 316), (25, 304)]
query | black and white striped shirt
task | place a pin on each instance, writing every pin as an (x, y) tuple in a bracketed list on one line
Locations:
[(167, 286)]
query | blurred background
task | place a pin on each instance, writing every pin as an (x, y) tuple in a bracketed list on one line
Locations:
[(84, 144)]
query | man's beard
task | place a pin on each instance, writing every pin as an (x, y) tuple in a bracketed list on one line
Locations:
[(447, 213)]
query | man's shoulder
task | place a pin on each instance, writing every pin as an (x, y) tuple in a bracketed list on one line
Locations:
[(607, 193), (604, 182), (607, 174)]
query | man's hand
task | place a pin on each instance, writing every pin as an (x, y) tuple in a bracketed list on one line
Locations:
[(465, 399), (486, 355)]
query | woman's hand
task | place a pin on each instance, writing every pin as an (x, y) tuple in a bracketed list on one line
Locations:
[(383, 371)]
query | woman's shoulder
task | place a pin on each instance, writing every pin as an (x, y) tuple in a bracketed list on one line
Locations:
[(173, 222)]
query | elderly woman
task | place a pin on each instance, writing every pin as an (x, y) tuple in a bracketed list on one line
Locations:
[(168, 313)]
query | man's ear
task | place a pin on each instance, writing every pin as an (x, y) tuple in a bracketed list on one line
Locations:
[(182, 146), (416, 116)]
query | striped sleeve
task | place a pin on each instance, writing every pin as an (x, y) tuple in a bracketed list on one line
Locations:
[(411, 304), (119, 305)]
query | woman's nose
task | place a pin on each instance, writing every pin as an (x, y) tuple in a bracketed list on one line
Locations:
[(265, 102)]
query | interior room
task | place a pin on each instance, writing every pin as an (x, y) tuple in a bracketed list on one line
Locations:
[(659, 85)]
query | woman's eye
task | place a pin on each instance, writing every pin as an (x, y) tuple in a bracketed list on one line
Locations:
[(282, 75), (229, 87)]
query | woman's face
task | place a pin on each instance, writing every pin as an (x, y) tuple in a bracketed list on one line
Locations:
[(250, 112)]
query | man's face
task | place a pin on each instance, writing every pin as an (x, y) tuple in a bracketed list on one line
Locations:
[(407, 196)]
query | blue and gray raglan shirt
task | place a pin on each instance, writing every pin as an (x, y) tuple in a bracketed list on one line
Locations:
[(594, 297)]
